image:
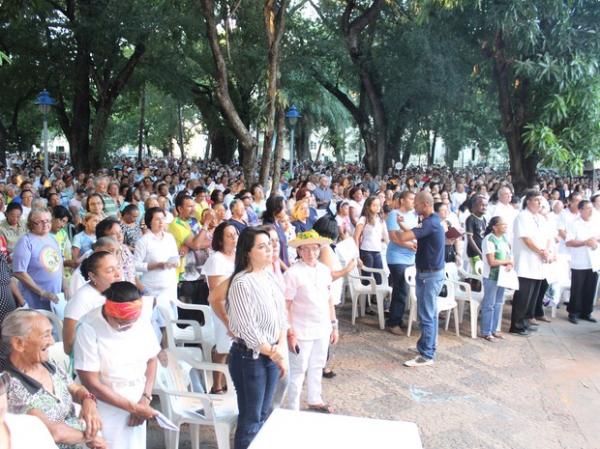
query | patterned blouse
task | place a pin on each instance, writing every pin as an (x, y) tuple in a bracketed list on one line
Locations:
[(26, 393), (127, 263)]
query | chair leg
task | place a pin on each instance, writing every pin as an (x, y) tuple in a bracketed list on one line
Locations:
[(171, 439), (195, 436), (411, 317), (380, 313), (447, 320), (222, 434), (354, 308), (363, 304), (474, 312), (456, 321), (461, 310)]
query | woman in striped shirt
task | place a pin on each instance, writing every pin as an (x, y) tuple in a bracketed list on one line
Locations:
[(257, 320)]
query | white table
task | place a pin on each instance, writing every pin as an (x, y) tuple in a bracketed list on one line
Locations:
[(310, 430)]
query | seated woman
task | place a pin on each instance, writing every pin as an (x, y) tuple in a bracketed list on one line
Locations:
[(40, 388)]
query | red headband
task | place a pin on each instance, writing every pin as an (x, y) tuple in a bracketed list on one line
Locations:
[(123, 310)]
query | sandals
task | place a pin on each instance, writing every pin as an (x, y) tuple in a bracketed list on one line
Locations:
[(218, 391), (321, 408), (499, 336), (489, 338)]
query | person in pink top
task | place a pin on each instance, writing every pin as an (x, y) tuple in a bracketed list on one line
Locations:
[(312, 320)]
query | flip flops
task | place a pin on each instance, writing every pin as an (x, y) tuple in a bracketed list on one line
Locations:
[(321, 408)]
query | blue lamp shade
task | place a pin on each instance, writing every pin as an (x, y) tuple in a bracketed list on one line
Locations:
[(44, 101), (292, 115)]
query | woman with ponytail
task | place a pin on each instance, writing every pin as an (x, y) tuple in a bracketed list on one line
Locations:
[(497, 256)]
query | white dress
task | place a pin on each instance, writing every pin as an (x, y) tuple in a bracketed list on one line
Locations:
[(121, 360)]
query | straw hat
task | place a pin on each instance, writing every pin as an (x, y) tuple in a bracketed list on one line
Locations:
[(308, 238)]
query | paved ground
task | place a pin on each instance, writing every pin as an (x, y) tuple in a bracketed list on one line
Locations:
[(537, 392)]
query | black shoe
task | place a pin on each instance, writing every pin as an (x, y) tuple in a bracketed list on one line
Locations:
[(531, 329), (534, 324), (522, 333), (589, 318), (573, 319)]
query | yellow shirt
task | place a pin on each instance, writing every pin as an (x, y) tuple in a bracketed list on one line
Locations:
[(181, 230)]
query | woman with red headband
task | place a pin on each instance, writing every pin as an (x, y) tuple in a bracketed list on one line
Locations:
[(115, 357)]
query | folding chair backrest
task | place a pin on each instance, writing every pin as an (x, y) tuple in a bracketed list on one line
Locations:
[(175, 377)]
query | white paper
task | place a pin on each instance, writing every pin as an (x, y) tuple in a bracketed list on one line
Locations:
[(59, 308), (508, 279), (165, 422)]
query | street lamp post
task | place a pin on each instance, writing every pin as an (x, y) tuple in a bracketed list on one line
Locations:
[(292, 116), (44, 101)]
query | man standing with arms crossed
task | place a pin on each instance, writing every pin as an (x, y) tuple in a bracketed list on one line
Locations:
[(430, 277), (400, 256)]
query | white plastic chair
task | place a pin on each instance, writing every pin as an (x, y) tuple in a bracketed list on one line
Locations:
[(194, 333), (346, 251), (184, 406), (444, 303), (562, 288), (464, 293)]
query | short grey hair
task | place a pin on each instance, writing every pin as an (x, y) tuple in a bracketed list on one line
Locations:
[(104, 241), (18, 323)]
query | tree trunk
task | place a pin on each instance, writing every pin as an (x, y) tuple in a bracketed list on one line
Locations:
[(512, 107), (96, 153), (3, 143), (274, 16), (247, 141), (319, 149), (223, 145), (281, 138), (431, 152), (142, 122)]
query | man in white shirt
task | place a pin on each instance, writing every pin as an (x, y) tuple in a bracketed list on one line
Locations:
[(582, 241), (569, 215), (459, 196), (503, 209)]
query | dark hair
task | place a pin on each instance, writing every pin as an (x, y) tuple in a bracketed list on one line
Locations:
[(437, 206), (274, 205), (122, 291), (244, 246), (149, 215), (180, 198), (87, 201), (90, 264), (594, 197), (326, 226), (199, 190), (105, 225), (219, 234), (12, 206), (582, 204), (529, 194), (366, 210), (60, 212), (493, 222), (353, 190), (129, 209), (214, 196)]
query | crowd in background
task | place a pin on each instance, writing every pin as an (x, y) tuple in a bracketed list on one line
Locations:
[(119, 245)]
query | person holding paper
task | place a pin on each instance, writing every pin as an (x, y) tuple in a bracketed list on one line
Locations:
[(116, 358), (496, 252), (582, 240)]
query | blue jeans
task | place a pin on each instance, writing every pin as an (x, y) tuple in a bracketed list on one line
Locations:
[(399, 294), (255, 381), (371, 259), (428, 287), (491, 306)]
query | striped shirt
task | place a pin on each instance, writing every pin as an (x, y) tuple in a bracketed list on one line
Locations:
[(256, 309)]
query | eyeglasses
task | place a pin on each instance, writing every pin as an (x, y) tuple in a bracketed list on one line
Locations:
[(246, 197), (44, 222)]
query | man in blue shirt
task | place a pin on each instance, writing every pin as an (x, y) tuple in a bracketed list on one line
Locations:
[(400, 255), (430, 265)]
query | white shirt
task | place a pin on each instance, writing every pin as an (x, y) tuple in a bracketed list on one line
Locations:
[(27, 432), (86, 298), (373, 235), (151, 249), (218, 264), (309, 289), (456, 199), (120, 358), (527, 263), (580, 229)]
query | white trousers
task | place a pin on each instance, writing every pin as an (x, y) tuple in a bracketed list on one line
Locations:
[(310, 363)]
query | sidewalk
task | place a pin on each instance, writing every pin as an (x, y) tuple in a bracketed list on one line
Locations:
[(538, 392)]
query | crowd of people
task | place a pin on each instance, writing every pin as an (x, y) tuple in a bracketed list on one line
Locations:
[(118, 246)]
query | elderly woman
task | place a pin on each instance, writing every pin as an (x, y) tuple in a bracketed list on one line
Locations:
[(115, 357), (38, 263), (40, 388), (313, 323), (110, 227)]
